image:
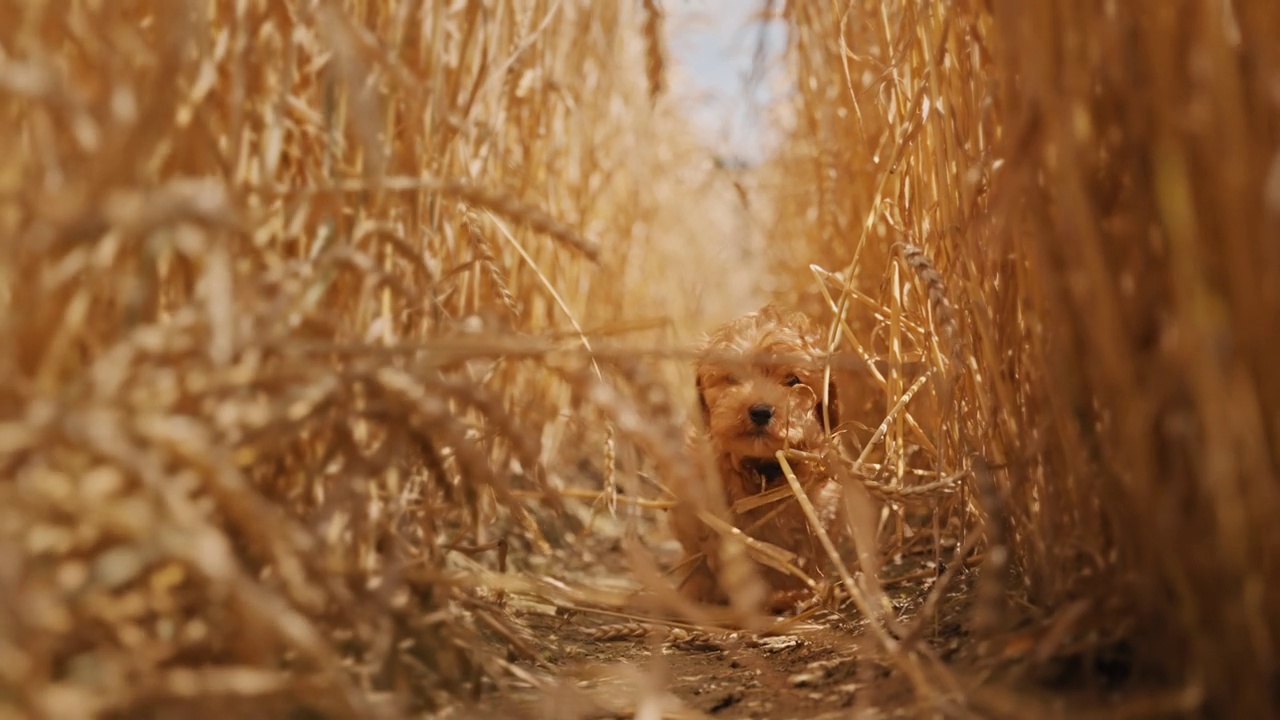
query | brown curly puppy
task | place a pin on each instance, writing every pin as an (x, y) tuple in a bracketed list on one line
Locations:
[(760, 387)]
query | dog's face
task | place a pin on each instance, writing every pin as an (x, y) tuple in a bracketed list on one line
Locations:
[(760, 385)]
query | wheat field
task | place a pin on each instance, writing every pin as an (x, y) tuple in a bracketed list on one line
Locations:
[(336, 334)]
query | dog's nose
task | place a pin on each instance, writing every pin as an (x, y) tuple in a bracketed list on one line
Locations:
[(761, 414)]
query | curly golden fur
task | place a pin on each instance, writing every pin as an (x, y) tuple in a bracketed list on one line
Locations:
[(760, 389)]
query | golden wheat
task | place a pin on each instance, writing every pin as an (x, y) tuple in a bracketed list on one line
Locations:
[(323, 326), (241, 244), (1090, 183)]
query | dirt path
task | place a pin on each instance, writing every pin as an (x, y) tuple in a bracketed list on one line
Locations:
[(597, 665), (813, 670)]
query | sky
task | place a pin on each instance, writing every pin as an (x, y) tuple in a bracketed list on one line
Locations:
[(712, 44)]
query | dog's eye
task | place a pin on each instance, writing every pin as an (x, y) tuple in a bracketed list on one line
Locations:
[(792, 381), (732, 380)]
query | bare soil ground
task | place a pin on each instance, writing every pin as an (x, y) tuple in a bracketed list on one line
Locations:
[(817, 664), (600, 664)]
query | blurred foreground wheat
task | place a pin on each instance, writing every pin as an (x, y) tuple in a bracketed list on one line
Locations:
[(282, 286)]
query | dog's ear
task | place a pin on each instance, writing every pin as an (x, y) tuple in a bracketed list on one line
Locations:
[(702, 403), (831, 406)]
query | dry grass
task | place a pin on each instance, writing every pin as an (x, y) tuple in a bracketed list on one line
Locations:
[(293, 298), (324, 324), (1096, 183)]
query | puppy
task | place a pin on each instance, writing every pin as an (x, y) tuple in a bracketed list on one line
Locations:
[(760, 389)]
